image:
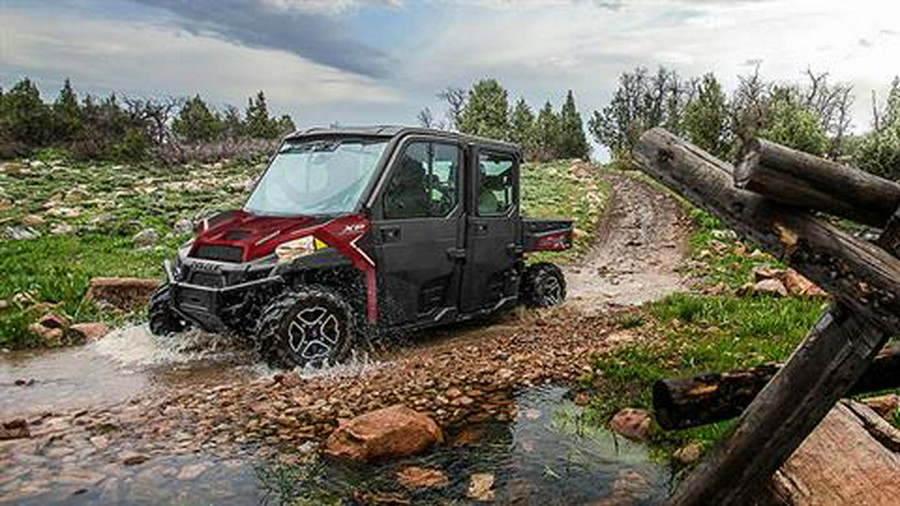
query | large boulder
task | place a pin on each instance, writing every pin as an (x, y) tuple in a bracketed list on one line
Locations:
[(126, 294), (392, 432), (89, 332)]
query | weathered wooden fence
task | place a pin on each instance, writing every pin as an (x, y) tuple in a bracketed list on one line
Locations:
[(770, 200)]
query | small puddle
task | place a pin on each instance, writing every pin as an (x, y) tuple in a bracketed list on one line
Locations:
[(549, 455)]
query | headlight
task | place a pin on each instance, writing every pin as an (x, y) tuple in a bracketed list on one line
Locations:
[(297, 248)]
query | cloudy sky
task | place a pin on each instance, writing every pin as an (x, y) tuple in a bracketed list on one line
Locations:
[(381, 61)]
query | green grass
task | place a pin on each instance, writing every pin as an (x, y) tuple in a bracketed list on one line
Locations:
[(119, 201), (550, 191)]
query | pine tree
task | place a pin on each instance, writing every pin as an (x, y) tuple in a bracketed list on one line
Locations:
[(196, 122), (286, 124), (547, 134), (486, 112), (572, 141), (232, 124), (258, 123), (66, 114), (26, 119), (706, 117), (521, 125)]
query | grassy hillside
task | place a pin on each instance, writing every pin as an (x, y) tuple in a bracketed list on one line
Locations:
[(85, 217)]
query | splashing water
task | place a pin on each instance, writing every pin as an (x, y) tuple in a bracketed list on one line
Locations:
[(134, 345)]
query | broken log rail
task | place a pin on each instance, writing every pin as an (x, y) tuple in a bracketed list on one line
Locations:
[(681, 403), (862, 277)]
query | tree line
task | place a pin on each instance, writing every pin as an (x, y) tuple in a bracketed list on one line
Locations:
[(132, 129), (813, 115), (484, 110)]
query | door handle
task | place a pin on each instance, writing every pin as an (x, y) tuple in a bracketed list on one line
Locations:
[(390, 234), (456, 253), (481, 228)]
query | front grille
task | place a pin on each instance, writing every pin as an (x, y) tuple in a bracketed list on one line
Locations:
[(219, 253), (209, 279)]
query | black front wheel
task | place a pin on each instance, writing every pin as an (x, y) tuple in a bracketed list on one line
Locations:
[(162, 319), (310, 326), (543, 285)]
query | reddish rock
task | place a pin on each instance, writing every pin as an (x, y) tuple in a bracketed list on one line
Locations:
[(130, 458), (89, 332), (14, 429), (771, 287), (797, 284), (421, 477), (46, 334), (689, 453), (122, 293), (396, 431), (52, 321), (631, 423)]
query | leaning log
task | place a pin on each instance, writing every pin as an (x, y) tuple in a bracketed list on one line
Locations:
[(864, 279), (803, 180), (680, 403), (863, 276)]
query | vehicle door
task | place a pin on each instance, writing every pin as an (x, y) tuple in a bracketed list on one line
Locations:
[(418, 232), (492, 252)]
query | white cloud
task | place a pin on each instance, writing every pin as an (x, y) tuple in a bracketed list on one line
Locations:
[(586, 48), (152, 59), (331, 7)]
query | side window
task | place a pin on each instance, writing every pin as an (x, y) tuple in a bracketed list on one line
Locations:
[(424, 182), (495, 183)]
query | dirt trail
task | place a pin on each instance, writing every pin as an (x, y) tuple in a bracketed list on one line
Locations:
[(640, 244)]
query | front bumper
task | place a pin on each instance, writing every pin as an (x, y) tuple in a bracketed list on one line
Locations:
[(211, 307)]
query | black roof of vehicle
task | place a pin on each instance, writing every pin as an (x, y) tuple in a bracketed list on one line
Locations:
[(396, 130)]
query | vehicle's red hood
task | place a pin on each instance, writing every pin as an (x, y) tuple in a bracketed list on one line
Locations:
[(256, 235)]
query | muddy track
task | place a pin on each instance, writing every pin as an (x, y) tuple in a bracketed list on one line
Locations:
[(640, 244)]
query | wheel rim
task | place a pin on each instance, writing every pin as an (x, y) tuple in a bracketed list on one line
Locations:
[(314, 334), (552, 292)]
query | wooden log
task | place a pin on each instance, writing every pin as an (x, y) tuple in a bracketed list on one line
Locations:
[(679, 403), (863, 276), (803, 180), (842, 462), (834, 354)]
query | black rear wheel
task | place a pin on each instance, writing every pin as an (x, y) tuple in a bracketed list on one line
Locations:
[(543, 285), (162, 319), (311, 326)]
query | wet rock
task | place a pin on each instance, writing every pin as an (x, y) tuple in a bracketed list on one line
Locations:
[(122, 293), (392, 432), (630, 487), (420, 477), (581, 398), (481, 487), (689, 453), (468, 435), (48, 335), (631, 423), (145, 238), (89, 332), (33, 220), (14, 429), (192, 471), (884, 405), (24, 383), (130, 458)]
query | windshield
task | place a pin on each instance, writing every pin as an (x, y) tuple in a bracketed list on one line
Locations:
[(316, 177)]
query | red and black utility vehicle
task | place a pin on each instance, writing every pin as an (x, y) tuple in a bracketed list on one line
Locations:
[(355, 229)]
